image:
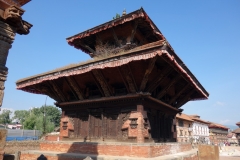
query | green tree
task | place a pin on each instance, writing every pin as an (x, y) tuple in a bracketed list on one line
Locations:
[(5, 116), (53, 114), (30, 122), (35, 118), (117, 16), (21, 115), (36, 122)]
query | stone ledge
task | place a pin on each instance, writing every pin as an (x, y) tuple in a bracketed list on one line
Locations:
[(189, 155)]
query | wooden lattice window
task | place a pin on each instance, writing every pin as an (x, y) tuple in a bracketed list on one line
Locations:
[(64, 126)]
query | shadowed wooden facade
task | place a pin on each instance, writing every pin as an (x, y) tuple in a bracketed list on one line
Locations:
[(130, 91)]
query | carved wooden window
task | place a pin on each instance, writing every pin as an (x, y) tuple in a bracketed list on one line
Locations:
[(133, 123), (145, 123), (64, 126)]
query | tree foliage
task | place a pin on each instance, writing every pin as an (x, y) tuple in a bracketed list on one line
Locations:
[(34, 118), (21, 115), (5, 117), (117, 16)]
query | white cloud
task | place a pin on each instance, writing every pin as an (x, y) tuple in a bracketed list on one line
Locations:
[(226, 121), (218, 103)]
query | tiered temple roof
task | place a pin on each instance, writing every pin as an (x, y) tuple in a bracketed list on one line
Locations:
[(130, 56)]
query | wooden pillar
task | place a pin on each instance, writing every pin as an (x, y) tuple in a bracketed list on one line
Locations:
[(10, 23)]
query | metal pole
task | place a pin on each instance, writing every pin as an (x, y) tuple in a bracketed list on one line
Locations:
[(44, 117)]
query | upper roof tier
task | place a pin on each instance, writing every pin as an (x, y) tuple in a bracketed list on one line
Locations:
[(128, 31)]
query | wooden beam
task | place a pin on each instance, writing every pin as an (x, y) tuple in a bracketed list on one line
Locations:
[(124, 81), (103, 83), (74, 86), (185, 99), (158, 79), (178, 94), (86, 46), (58, 91), (126, 71), (98, 85), (116, 38), (50, 89), (145, 38), (164, 90), (147, 73), (70, 88), (134, 30)]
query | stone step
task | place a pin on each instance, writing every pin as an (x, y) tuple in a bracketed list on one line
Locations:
[(49, 155)]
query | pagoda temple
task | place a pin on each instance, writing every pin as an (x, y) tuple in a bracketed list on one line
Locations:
[(11, 22), (131, 89)]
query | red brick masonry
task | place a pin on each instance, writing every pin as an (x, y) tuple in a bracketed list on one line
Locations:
[(116, 149)]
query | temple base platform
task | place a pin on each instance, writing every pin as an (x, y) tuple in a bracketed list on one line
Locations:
[(65, 150)]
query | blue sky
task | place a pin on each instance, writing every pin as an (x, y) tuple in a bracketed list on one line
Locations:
[(204, 34)]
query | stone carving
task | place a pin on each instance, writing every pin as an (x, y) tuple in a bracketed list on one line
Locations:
[(4, 47), (3, 77), (12, 15)]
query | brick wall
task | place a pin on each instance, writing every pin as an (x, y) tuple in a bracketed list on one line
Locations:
[(116, 149), (14, 146), (53, 138)]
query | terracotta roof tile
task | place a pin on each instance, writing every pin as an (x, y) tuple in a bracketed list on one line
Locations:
[(183, 116), (194, 118), (215, 125), (236, 130)]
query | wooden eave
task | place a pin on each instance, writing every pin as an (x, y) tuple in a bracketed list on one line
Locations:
[(99, 80)]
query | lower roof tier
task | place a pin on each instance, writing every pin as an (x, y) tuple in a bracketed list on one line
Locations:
[(154, 70)]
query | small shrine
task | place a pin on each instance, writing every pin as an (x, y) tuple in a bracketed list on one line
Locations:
[(131, 89)]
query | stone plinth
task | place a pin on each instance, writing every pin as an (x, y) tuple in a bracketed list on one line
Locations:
[(143, 150)]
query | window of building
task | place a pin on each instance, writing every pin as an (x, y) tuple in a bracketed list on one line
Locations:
[(180, 123), (181, 134)]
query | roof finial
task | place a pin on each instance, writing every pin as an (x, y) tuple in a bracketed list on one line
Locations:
[(124, 12)]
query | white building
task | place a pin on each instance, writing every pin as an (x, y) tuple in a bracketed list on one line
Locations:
[(200, 132)]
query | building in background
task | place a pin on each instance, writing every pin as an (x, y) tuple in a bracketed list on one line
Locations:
[(218, 133), (200, 130), (184, 127), (237, 132)]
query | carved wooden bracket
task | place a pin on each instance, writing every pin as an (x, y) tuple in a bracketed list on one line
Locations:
[(126, 72), (164, 90), (58, 91), (178, 94), (103, 83), (147, 73), (75, 87), (158, 79), (13, 16)]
